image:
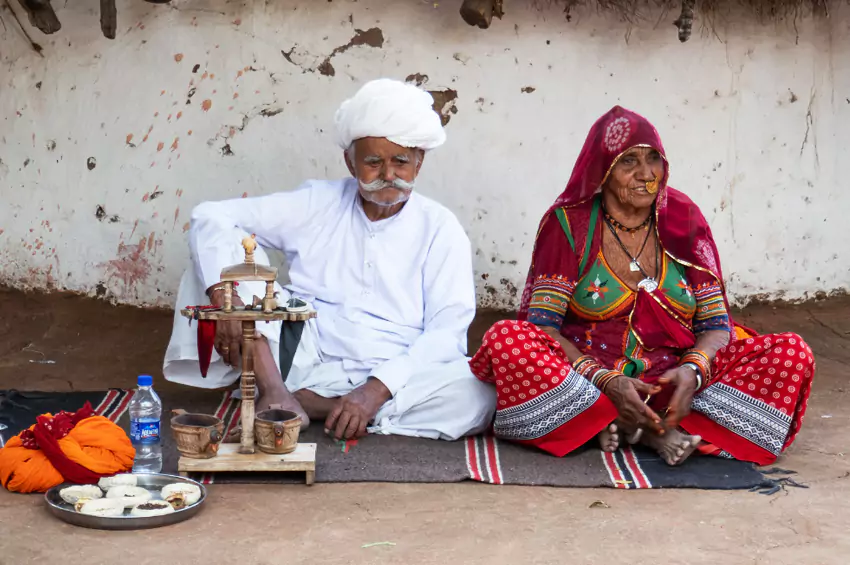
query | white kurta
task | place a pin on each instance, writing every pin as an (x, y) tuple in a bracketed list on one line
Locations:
[(394, 300)]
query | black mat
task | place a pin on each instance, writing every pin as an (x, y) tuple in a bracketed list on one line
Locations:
[(413, 460)]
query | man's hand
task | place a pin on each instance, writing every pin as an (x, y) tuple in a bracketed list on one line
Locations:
[(685, 381), (628, 396), (228, 335), (353, 412)]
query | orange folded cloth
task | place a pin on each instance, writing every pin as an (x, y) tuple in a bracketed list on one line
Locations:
[(743, 332), (74, 447)]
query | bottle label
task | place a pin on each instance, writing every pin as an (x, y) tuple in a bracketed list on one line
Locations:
[(142, 431)]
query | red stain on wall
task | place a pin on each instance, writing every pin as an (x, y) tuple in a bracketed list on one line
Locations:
[(131, 267)]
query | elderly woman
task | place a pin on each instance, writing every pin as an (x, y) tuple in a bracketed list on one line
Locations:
[(624, 330)]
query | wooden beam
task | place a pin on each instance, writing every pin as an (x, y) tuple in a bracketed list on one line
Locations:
[(686, 20), (35, 46), (41, 15), (480, 12), (108, 18)]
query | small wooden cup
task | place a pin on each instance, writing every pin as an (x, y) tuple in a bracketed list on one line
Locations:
[(276, 431), (197, 435)]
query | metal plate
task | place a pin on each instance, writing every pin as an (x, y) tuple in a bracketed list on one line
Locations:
[(153, 482)]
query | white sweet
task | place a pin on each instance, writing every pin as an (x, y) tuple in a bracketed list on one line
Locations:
[(103, 507), (72, 494), (132, 496), (124, 480), (191, 492), (152, 508)]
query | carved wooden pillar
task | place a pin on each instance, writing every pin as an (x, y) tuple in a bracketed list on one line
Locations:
[(248, 385)]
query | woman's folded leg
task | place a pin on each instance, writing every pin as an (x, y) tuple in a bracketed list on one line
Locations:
[(540, 399), (755, 407)]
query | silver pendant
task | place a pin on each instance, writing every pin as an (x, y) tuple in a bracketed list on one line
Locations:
[(634, 266), (648, 284)]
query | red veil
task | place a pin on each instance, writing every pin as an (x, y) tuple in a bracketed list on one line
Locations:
[(682, 229)]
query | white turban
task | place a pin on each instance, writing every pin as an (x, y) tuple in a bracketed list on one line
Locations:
[(397, 111)]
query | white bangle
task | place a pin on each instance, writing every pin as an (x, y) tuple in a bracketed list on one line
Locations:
[(696, 370)]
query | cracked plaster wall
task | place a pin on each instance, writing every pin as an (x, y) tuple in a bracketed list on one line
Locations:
[(107, 145)]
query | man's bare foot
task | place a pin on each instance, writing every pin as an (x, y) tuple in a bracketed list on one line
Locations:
[(609, 438), (317, 407), (674, 446), (284, 400)]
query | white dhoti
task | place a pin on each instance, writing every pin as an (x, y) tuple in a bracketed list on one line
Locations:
[(442, 400)]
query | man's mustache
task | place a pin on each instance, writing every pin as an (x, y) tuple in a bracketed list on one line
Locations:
[(380, 184)]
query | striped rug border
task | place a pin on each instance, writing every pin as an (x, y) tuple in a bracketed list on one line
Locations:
[(624, 469), (114, 403), (482, 459)]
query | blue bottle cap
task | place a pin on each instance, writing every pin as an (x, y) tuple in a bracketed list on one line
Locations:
[(145, 380)]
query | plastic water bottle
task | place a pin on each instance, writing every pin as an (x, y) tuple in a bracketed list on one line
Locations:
[(145, 412)]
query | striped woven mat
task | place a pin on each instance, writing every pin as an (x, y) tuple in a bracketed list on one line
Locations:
[(410, 460)]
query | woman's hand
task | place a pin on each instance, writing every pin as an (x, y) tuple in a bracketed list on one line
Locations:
[(685, 381), (628, 396)]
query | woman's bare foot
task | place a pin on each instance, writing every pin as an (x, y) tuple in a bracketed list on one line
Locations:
[(674, 446), (609, 438)]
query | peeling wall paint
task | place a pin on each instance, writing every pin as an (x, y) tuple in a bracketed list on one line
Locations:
[(106, 146)]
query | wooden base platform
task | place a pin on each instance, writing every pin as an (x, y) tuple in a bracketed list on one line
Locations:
[(230, 460)]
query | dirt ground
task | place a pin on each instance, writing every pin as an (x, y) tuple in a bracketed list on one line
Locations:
[(95, 345)]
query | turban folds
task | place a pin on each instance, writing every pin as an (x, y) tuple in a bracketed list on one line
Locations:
[(397, 111), (75, 447)]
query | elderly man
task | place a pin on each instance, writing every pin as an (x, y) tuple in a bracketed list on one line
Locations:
[(388, 271)]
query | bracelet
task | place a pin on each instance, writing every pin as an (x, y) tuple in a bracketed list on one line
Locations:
[(599, 376), (585, 366), (702, 363), (220, 287), (605, 379), (696, 370)]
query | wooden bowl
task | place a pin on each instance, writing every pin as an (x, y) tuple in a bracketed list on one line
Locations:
[(276, 431), (197, 435)]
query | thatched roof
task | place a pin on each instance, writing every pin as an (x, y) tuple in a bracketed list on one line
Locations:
[(480, 13)]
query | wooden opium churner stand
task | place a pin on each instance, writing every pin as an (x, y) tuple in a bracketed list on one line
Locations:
[(245, 456)]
